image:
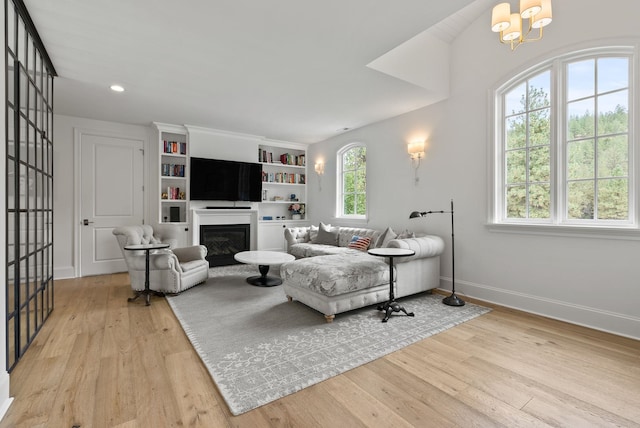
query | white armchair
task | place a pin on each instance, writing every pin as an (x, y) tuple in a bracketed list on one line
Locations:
[(170, 271)]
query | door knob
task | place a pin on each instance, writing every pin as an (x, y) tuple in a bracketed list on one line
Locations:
[(86, 222)]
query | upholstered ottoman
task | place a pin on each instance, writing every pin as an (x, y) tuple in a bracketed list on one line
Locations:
[(332, 284)]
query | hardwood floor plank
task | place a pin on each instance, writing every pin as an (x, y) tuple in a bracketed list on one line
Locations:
[(115, 402), (565, 374), (497, 410), (193, 391), (372, 412), (446, 405), (310, 408), (100, 361), (540, 392), (560, 413), (398, 396), (74, 402)]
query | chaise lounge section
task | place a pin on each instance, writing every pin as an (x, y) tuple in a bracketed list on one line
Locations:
[(335, 278)]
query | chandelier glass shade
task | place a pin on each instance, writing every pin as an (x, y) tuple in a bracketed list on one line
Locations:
[(511, 26)]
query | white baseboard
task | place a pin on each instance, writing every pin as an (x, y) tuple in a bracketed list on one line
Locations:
[(5, 399), (64, 272), (610, 322)]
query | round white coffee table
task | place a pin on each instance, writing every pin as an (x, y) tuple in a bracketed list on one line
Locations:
[(263, 259)]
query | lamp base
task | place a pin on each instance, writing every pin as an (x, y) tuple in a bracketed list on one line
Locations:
[(453, 300)]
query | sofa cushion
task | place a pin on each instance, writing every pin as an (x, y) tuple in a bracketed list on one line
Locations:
[(425, 246), (327, 235), (332, 275), (307, 249)]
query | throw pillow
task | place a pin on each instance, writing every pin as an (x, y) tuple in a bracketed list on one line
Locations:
[(386, 236), (358, 243), (327, 235), (313, 234), (406, 234)]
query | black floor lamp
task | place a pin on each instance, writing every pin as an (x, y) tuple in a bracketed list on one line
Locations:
[(451, 300)]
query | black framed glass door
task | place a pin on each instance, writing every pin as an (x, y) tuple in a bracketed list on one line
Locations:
[(29, 192)]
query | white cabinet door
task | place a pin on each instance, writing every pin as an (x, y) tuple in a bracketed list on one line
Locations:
[(271, 236)]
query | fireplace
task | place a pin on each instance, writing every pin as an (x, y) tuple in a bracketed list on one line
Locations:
[(223, 241)]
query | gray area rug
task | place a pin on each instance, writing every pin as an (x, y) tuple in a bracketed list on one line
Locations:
[(258, 347)]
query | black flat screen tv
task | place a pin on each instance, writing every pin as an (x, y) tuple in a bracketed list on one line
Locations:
[(222, 180)]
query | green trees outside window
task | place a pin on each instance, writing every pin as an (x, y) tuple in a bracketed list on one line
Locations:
[(353, 179), (577, 160)]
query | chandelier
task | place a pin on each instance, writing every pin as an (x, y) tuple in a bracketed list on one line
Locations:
[(537, 13)]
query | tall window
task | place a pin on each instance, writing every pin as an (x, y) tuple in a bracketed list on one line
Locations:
[(563, 143), (352, 181)]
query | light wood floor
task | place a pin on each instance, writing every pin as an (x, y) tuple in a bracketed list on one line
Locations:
[(102, 362)]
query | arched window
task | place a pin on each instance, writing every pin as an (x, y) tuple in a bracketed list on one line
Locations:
[(564, 142), (352, 181)]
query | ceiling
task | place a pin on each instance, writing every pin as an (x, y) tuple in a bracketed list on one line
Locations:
[(288, 70)]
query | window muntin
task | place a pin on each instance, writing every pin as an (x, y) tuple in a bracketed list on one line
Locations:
[(573, 167), (352, 181)]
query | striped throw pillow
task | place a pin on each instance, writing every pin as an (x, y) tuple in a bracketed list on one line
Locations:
[(358, 243)]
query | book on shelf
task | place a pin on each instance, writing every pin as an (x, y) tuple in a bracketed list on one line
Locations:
[(283, 177), (175, 147), (289, 159), (173, 193), (265, 156), (172, 170)]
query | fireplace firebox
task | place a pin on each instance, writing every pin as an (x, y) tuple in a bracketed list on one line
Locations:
[(223, 241)]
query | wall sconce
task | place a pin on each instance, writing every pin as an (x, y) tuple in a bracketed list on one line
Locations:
[(416, 152), (319, 167)]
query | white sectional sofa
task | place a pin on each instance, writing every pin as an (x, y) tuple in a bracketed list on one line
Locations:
[(335, 278)]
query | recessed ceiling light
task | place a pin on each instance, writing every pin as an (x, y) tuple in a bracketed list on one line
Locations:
[(117, 88)]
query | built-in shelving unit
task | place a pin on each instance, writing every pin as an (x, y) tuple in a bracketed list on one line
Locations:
[(173, 175), (284, 182)]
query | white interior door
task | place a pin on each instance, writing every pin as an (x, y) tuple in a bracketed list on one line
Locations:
[(111, 195)]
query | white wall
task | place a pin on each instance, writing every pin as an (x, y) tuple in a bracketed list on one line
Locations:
[(65, 225), (587, 281), (216, 144)]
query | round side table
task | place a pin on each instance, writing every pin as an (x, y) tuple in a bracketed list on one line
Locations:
[(391, 305)]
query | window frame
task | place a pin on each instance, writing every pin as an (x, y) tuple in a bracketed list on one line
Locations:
[(559, 222), (340, 184)]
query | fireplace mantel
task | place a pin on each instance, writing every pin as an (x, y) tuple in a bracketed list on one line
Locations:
[(215, 216)]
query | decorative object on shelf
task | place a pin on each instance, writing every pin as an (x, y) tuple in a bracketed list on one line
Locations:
[(453, 299), (297, 210), (265, 195), (164, 195), (509, 25), (319, 167), (416, 153)]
